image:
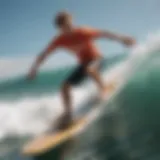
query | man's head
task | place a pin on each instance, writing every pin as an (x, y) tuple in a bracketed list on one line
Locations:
[(63, 21)]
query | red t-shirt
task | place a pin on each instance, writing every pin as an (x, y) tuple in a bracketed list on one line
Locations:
[(79, 42)]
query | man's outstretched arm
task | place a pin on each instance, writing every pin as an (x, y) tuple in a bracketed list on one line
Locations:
[(41, 58), (127, 40), (95, 33)]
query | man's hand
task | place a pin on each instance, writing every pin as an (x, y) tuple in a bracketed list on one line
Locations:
[(128, 41)]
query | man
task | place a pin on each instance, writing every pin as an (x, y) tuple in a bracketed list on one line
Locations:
[(78, 40)]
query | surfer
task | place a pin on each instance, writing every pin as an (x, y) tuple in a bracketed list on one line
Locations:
[(79, 41)]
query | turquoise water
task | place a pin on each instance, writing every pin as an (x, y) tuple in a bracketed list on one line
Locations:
[(130, 132), (45, 82)]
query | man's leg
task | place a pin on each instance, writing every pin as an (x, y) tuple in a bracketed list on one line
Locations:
[(66, 98), (94, 73), (97, 78), (74, 79)]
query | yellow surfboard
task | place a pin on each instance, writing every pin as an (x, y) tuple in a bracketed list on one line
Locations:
[(46, 142)]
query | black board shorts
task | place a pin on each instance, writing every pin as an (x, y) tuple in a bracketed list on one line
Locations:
[(79, 74)]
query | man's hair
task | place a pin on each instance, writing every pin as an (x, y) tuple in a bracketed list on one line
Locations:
[(61, 18)]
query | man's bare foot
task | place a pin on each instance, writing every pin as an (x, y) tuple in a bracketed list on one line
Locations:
[(105, 91), (64, 122)]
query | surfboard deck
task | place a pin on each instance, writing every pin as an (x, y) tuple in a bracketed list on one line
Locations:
[(49, 141), (44, 143)]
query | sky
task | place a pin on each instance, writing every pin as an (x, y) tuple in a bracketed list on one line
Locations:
[(26, 25)]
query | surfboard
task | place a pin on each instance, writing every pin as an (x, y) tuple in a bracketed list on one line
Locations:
[(46, 142)]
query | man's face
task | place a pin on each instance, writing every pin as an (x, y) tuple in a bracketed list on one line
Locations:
[(66, 26)]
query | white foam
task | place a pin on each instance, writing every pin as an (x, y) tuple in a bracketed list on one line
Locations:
[(33, 115)]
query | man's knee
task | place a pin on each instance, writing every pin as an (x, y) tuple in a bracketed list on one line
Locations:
[(91, 70), (65, 87)]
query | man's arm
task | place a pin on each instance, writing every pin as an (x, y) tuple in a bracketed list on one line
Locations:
[(95, 33), (127, 40), (41, 58)]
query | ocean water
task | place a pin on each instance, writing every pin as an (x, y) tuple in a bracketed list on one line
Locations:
[(126, 129)]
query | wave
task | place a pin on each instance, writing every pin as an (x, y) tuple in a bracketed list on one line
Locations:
[(34, 115)]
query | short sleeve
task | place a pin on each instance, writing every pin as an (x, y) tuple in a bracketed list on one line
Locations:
[(54, 44), (91, 32)]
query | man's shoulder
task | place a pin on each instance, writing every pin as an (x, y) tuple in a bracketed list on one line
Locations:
[(58, 37), (56, 40), (84, 28)]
